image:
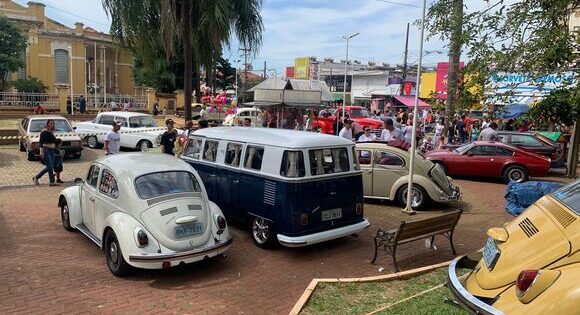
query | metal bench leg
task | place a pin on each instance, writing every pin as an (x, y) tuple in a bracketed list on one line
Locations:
[(376, 249), (450, 237), (393, 252)]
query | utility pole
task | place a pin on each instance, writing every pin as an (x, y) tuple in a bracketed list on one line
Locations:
[(264, 69), (455, 40), (246, 51), (405, 60)]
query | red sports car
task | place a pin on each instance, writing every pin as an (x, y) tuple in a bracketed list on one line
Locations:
[(491, 159), (357, 113)]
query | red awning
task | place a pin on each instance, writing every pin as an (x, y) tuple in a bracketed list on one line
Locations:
[(409, 101)]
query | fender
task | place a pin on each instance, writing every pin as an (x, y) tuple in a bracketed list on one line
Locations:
[(422, 181), (124, 226), (72, 196), (215, 212)]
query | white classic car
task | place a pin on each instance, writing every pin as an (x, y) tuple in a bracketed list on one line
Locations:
[(29, 131), (254, 114), (144, 210), (139, 131)]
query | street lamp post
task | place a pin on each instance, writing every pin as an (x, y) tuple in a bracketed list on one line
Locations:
[(347, 38), (409, 208), (72, 103)]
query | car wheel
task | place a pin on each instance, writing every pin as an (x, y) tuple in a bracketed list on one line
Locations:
[(515, 173), (144, 145), (442, 166), (93, 142), (115, 261), (65, 216), (22, 147), (418, 199), (263, 233), (30, 155)]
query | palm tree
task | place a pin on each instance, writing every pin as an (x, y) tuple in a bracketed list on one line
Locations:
[(199, 29)]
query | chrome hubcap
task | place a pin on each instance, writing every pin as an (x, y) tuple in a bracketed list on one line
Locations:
[(416, 197), (113, 252), (516, 176), (261, 230), (92, 142), (144, 146)]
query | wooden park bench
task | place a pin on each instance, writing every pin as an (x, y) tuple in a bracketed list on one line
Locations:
[(414, 231)]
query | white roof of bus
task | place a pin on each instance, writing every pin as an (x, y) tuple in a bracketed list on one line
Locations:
[(124, 114), (274, 137)]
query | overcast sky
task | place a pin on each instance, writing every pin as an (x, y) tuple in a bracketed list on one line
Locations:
[(296, 28)]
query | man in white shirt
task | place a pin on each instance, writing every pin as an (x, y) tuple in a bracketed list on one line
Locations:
[(113, 140), (367, 135), (113, 106), (489, 134), (346, 131), (390, 133)]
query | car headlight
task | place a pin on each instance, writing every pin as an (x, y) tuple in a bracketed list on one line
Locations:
[(75, 143)]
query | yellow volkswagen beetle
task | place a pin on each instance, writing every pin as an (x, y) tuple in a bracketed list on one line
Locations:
[(529, 266)]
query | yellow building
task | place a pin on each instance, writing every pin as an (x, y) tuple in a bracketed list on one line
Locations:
[(53, 49)]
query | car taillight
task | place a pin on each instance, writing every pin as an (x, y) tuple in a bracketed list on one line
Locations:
[(221, 224), (142, 238), (304, 219), (525, 280), (360, 208)]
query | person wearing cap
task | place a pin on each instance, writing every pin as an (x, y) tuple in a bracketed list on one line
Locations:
[(113, 139), (168, 138), (346, 131)]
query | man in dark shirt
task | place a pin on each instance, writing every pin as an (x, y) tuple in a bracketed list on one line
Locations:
[(461, 129), (168, 138)]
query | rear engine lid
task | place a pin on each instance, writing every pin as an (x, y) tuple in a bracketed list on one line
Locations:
[(535, 241), (179, 224), (438, 175)]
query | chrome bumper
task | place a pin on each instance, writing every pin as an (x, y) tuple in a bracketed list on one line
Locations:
[(462, 297), (304, 240), (198, 252)]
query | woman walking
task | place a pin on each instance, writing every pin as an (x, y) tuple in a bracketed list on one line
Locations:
[(47, 145)]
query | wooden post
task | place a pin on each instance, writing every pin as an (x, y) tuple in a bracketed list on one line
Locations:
[(63, 93), (572, 160)]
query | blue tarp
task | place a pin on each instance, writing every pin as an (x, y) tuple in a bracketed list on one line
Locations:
[(519, 196), (514, 111)]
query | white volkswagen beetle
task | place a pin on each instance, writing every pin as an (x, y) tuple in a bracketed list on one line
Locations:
[(145, 210)]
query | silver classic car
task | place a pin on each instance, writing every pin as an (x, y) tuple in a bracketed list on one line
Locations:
[(145, 210)]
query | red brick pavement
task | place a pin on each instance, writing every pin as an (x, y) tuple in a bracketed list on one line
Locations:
[(47, 270)]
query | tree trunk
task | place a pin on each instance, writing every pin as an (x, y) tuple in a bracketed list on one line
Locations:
[(454, 58), (196, 82), (187, 55)]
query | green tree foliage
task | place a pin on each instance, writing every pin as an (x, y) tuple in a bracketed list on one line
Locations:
[(559, 107), (30, 85), (225, 74), (193, 30), (528, 37), (12, 44)]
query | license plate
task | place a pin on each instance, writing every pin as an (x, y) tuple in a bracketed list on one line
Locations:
[(189, 229), (490, 253), (331, 214)]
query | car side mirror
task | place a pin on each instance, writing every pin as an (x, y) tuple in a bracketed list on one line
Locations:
[(78, 180), (74, 128)]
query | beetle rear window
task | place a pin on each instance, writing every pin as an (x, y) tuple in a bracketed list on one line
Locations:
[(570, 196), (165, 183)]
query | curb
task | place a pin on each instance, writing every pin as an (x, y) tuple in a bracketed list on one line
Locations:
[(393, 276)]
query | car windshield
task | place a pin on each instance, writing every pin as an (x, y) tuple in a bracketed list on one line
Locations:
[(60, 125), (165, 183), (142, 121), (464, 148), (570, 196), (355, 113)]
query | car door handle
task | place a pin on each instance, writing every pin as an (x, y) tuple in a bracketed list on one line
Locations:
[(211, 175), (235, 181), (92, 199)]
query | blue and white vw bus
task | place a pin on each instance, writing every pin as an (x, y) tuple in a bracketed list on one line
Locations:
[(295, 188)]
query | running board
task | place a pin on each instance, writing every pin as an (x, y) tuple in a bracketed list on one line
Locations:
[(83, 229)]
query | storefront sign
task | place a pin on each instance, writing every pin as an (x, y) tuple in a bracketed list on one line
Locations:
[(441, 80), (301, 67), (289, 72)]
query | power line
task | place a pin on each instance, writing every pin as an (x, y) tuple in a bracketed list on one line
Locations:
[(76, 15), (400, 3)]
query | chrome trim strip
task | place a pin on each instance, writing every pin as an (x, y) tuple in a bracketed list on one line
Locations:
[(168, 211), (181, 255), (153, 201), (466, 299), (297, 241)]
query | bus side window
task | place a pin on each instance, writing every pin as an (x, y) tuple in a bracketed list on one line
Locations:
[(210, 151), (253, 158), (193, 149), (293, 164)]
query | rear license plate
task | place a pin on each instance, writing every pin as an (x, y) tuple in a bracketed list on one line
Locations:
[(490, 253), (189, 229), (331, 214)]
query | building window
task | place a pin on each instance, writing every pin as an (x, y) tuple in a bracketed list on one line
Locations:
[(61, 63)]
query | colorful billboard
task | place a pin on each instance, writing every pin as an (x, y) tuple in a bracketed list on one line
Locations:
[(441, 81), (289, 72), (301, 67)]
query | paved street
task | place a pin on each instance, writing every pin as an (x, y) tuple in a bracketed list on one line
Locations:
[(46, 269)]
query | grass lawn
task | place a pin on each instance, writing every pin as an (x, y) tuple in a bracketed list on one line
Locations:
[(363, 298)]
